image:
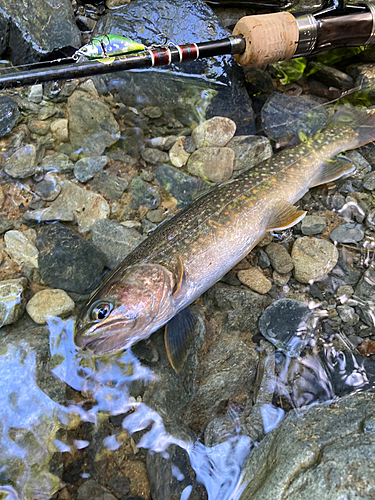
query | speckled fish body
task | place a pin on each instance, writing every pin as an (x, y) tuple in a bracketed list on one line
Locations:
[(186, 255), (109, 45)]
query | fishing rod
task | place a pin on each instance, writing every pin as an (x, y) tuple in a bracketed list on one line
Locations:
[(257, 40)]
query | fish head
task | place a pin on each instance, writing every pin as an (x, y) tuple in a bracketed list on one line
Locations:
[(130, 306)]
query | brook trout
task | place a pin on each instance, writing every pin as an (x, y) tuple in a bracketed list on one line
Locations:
[(190, 252)]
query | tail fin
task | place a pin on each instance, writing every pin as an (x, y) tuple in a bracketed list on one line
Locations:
[(362, 122)]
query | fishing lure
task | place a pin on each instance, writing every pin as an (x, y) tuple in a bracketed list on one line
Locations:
[(108, 45)]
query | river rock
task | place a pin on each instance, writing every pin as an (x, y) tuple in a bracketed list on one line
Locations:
[(92, 127), (348, 233), (332, 76), (348, 315), (279, 257), (177, 154), (249, 150), (59, 129), (313, 224), (38, 127), (216, 132), (9, 114), (212, 163), (48, 189), (58, 162), (20, 248), (12, 300), (114, 240), (255, 280), (86, 168), (144, 194), (67, 261), (284, 115), (110, 185), (181, 186), (21, 164), (5, 224), (91, 489), (313, 258), (154, 156), (49, 303), (328, 454)]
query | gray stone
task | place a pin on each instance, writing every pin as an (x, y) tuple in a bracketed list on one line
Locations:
[(49, 303), (20, 248), (154, 156), (181, 186), (216, 132), (263, 259), (332, 76), (313, 259), (348, 315), (47, 112), (148, 226), (21, 164), (110, 185), (152, 112), (38, 127), (12, 300), (337, 201), (114, 240), (48, 189), (212, 163), (5, 224), (164, 143), (132, 141), (326, 454), (91, 489), (155, 216), (67, 261), (313, 224), (58, 162), (92, 127), (348, 233), (86, 168), (9, 114), (280, 259), (249, 150), (369, 181), (144, 194)]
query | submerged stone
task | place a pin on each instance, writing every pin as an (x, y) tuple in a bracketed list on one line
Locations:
[(181, 186), (12, 300), (216, 132), (9, 114)]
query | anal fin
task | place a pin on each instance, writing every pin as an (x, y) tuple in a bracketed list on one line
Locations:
[(178, 336), (333, 169), (284, 215)]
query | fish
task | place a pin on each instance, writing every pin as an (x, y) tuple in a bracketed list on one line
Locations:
[(187, 254), (108, 45)]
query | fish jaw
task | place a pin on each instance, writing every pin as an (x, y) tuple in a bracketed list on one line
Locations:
[(131, 306)]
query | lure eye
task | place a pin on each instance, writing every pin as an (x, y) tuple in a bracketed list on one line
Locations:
[(100, 311)]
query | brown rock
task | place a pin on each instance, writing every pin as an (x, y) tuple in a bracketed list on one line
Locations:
[(255, 280)]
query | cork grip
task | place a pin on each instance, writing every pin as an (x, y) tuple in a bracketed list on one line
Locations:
[(269, 38)]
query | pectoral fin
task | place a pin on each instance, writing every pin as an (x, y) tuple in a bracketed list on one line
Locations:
[(284, 215), (179, 276), (332, 170), (178, 336)]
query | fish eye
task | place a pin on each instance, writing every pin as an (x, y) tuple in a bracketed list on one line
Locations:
[(100, 310)]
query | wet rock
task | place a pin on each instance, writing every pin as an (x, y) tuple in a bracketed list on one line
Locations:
[(58, 162), (86, 168), (164, 143), (313, 258), (5, 224), (178, 184), (91, 489), (132, 141), (249, 150), (263, 259), (255, 280), (155, 216), (344, 293), (20, 248), (283, 323), (73, 204), (189, 145), (345, 269), (307, 456), (67, 261), (154, 156), (92, 127), (313, 224), (110, 185), (369, 181), (9, 114), (59, 129), (348, 315), (332, 76), (216, 132), (46, 112), (49, 303), (177, 154), (280, 260), (337, 202), (48, 189), (21, 164), (281, 279), (144, 194), (12, 300), (348, 233), (212, 163), (38, 127), (114, 240), (284, 115)]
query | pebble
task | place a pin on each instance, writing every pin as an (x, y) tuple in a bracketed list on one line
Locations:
[(91, 489), (20, 248), (344, 293), (148, 226), (348, 233), (58, 162), (216, 132), (154, 156), (48, 189), (35, 93), (46, 112), (281, 279), (279, 257), (144, 194), (38, 127), (369, 181), (249, 150), (348, 315), (189, 145), (255, 280), (21, 164), (177, 154), (12, 300), (114, 240), (59, 129), (152, 112), (47, 303), (110, 185), (163, 143), (179, 185), (5, 224), (67, 261), (132, 141), (213, 164), (313, 224), (313, 258), (155, 216), (9, 114), (263, 259), (371, 220), (337, 202), (86, 168)]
